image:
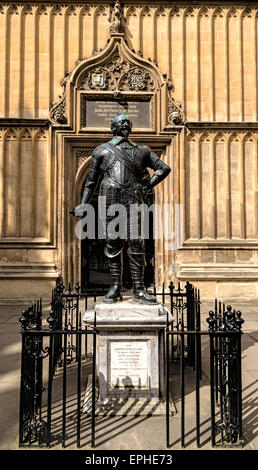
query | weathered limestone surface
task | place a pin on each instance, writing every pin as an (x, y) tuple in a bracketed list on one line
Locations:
[(210, 54), (214, 77)]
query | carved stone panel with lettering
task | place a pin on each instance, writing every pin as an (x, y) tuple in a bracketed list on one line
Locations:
[(128, 364), (98, 113)]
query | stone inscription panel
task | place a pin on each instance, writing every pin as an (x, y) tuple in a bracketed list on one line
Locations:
[(128, 364), (99, 113)]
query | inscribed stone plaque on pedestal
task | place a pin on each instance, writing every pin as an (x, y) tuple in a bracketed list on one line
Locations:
[(130, 358), (128, 364)]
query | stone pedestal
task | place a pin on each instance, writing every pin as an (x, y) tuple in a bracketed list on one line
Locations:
[(130, 357)]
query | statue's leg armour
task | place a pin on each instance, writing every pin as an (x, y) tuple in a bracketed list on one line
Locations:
[(137, 262), (113, 251)]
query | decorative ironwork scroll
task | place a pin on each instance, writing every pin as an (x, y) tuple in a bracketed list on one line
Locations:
[(226, 375), (33, 428)]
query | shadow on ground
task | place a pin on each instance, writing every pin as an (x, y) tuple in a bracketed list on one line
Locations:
[(120, 432)]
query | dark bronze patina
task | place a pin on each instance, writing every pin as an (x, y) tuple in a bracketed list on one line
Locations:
[(123, 164)]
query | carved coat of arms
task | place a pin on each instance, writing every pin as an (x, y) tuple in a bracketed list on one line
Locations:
[(97, 79), (137, 81)]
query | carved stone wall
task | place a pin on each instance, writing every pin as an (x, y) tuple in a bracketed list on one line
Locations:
[(26, 213), (25, 202), (211, 53), (221, 213), (209, 56), (221, 174)]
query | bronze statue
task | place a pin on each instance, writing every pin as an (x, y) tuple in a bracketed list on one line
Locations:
[(122, 164)]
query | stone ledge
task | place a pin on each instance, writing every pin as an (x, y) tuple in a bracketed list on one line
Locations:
[(222, 124), (130, 322), (218, 272), (128, 305), (28, 271), (219, 244), (24, 122), (128, 313)]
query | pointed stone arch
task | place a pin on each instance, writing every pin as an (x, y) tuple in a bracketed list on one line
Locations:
[(232, 12), (189, 11), (160, 11), (82, 171), (124, 75), (217, 12), (246, 12), (204, 11), (10, 134), (174, 11), (131, 11), (114, 75), (219, 137), (103, 60), (145, 11), (25, 134), (235, 137), (205, 137), (248, 137)]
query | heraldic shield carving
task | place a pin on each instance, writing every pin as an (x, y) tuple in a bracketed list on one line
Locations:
[(116, 79)]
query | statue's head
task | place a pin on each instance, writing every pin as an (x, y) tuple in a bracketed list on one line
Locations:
[(121, 125)]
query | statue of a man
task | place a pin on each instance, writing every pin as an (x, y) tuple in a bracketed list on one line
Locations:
[(122, 164)]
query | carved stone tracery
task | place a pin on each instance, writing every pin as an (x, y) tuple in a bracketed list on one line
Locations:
[(175, 112), (118, 69), (23, 133), (118, 74), (58, 114), (86, 82), (58, 111), (137, 80), (81, 156)]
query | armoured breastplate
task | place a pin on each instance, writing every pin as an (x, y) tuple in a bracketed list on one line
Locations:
[(118, 172)]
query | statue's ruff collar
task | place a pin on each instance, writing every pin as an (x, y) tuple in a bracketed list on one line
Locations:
[(118, 139)]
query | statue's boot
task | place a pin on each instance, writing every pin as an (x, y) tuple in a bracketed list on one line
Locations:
[(115, 293), (140, 295)]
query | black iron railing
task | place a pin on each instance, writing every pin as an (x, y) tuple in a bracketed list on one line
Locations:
[(65, 306), (51, 348), (184, 304), (224, 335), (39, 343)]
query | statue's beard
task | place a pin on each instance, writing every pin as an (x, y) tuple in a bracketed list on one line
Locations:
[(123, 133)]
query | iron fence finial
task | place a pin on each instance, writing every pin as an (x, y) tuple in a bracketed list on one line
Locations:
[(211, 321), (239, 320), (24, 320), (51, 320)]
